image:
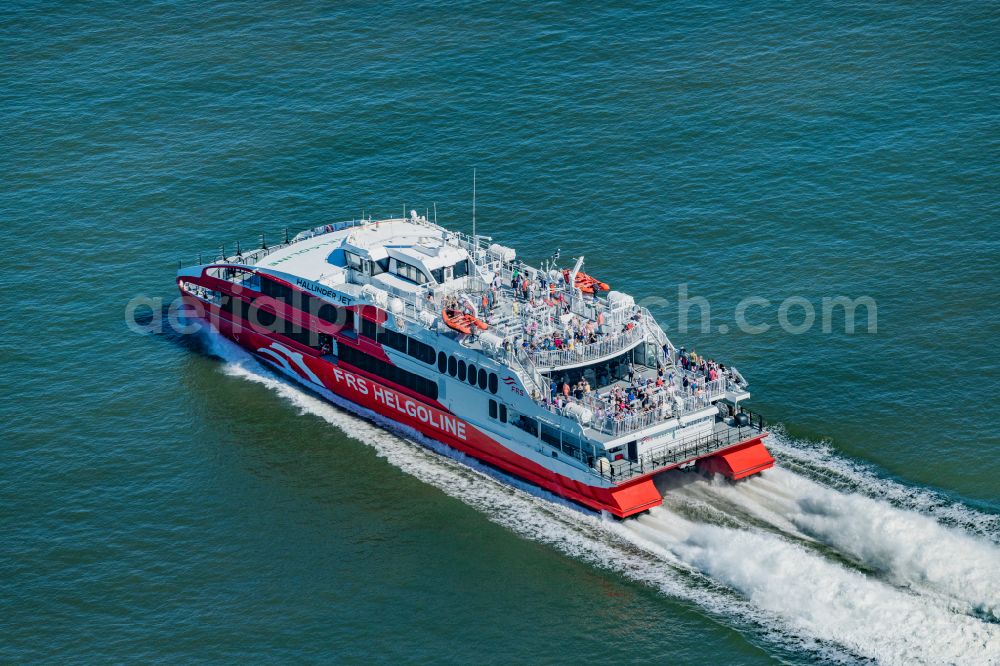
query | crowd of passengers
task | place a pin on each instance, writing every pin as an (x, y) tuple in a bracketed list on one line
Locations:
[(575, 333), (638, 394), (532, 293)]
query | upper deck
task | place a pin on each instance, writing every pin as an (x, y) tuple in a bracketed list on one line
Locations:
[(625, 374)]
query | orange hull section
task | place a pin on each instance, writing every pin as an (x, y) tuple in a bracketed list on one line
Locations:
[(751, 458), (628, 500)]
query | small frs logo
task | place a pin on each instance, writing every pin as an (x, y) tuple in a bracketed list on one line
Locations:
[(512, 384)]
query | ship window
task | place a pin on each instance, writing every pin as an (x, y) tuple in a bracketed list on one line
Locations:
[(340, 317), (493, 382), (472, 374), (261, 317), (452, 369), (525, 423), (438, 275), (392, 339), (380, 266), (393, 373), (353, 261), (442, 362), (420, 351), (327, 313), (461, 370), (461, 269), (368, 328), (482, 379), (410, 272), (302, 301), (276, 290), (550, 435), (493, 409), (503, 413)]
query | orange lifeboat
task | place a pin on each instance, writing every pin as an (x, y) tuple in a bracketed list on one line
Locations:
[(462, 321), (586, 283)]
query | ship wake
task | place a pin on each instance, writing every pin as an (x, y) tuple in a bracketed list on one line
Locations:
[(820, 555)]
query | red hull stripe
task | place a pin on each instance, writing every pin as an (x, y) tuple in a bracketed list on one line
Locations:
[(433, 421)]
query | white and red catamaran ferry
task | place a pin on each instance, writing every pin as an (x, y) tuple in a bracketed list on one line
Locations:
[(542, 372)]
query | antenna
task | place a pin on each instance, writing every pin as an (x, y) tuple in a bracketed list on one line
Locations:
[(473, 202), (435, 212)]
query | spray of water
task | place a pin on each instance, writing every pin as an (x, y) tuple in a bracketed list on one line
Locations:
[(751, 553)]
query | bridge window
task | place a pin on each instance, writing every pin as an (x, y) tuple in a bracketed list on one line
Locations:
[(482, 379), (452, 366), (493, 383), (472, 374), (461, 370), (411, 273), (442, 362), (353, 261)]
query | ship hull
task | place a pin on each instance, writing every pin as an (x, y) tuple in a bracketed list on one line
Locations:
[(372, 396)]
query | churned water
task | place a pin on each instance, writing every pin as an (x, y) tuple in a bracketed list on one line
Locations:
[(164, 498)]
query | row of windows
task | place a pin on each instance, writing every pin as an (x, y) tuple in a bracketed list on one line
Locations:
[(498, 411), (554, 437), (393, 373), (377, 267), (468, 372), (411, 273), (307, 303), (398, 341), (269, 321)]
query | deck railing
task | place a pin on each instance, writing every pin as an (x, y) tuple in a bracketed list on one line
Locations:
[(675, 453), (671, 406), (608, 345), (251, 257)]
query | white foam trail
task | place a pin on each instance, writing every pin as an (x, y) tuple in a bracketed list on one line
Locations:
[(821, 597), (821, 461), (911, 549), (787, 594), (528, 511)]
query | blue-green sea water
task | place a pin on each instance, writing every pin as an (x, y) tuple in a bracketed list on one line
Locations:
[(163, 499)]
